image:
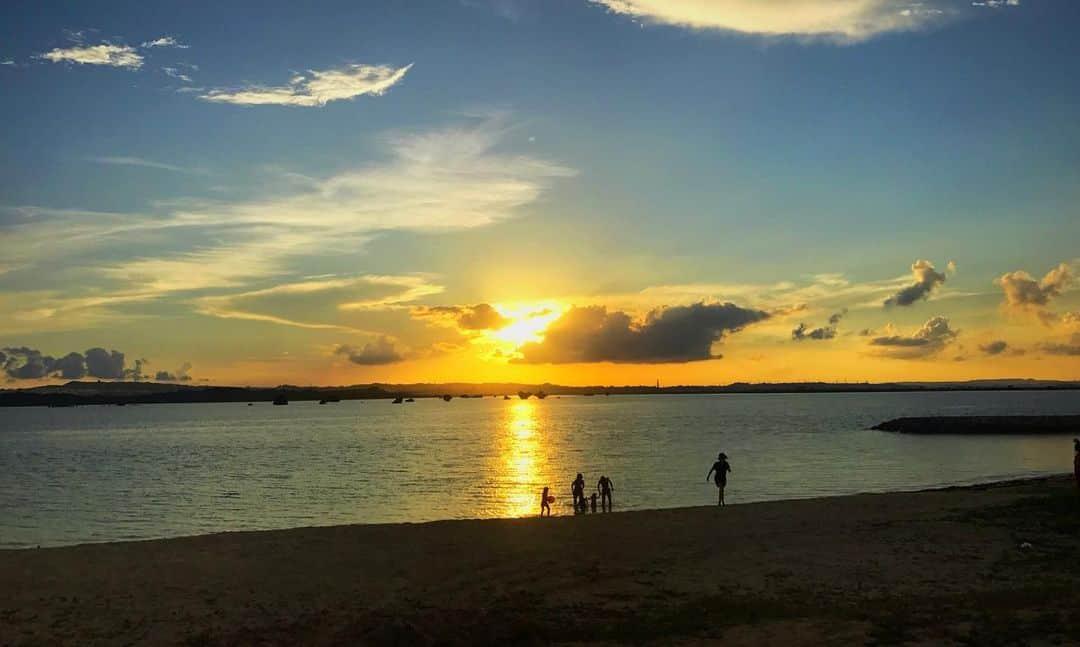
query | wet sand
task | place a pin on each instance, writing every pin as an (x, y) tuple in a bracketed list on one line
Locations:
[(936, 567)]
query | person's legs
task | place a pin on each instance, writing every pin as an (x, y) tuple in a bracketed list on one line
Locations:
[(607, 501)]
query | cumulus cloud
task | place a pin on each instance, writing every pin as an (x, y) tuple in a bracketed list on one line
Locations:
[(375, 353), (105, 364), (108, 54), (929, 340), (316, 88), (803, 332), (482, 316), (180, 375), (1023, 292), (842, 21), (23, 363), (926, 280), (665, 335)]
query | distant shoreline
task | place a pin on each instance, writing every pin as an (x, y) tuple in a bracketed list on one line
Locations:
[(124, 393)]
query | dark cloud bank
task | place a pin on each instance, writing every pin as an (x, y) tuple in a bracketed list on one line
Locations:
[(23, 363), (675, 334)]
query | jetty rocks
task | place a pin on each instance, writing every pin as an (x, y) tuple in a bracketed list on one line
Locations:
[(1015, 425)]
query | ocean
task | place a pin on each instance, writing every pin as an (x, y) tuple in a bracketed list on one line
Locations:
[(102, 473)]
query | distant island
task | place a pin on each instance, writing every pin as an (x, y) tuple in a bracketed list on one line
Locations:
[(974, 425), (123, 393)]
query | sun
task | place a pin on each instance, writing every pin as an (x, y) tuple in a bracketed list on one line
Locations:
[(528, 321)]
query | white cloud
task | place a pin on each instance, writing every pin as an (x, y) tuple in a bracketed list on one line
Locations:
[(996, 4), (165, 41), (7, 62), (838, 20), (316, 88), (101, 54)]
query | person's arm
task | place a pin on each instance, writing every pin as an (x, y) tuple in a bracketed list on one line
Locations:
[(611, 485), (711, 469)]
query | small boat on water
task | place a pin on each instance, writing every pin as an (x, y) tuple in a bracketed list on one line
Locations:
[(540, 395), (447, 398), (398, 400), (409, 400), (506, 397), (524, 395), (322, 401), (281, 400)]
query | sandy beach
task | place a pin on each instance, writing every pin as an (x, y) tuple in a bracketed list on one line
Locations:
[(991, 564)]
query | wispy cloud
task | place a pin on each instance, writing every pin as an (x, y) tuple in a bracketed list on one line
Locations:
[(844, 21), (434, 180), (165, 41), (176, 74), (7, 62), (123, 160), (331, 297), (108, 54), (316, 88)]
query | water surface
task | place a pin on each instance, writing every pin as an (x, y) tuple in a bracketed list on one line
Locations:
[(108, 473)]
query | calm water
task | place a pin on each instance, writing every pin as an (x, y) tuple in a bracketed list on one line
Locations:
[(108, 473)]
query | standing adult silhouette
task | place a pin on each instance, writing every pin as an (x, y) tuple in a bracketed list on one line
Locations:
[(1076, 461), (577, 488), (605, 487)]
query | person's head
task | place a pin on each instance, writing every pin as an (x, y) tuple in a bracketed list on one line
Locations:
[(580, 476), (721, 456), (545, 490)]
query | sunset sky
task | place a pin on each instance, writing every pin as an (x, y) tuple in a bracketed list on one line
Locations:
[(573, 191)]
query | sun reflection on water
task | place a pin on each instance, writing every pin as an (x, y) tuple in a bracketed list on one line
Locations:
[(523, 460)]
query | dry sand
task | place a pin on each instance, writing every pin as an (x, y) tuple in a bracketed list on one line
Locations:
[(936, 567)]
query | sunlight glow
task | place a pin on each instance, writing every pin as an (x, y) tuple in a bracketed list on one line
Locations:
[(528, 321)]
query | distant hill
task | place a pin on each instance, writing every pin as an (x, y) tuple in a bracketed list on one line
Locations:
[(90, 393)]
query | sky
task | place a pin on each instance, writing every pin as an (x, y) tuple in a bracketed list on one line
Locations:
[(570, 191)]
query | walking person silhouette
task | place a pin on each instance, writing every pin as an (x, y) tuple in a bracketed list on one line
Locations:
[(721, 468), (605, 487), (545, 502)]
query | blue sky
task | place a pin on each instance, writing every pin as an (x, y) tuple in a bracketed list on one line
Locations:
[(624, 154)]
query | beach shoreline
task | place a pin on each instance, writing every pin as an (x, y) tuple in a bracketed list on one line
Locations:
[(1004, 481), (843, 569)]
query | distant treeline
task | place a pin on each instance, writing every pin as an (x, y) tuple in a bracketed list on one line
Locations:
[(100, 393)]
